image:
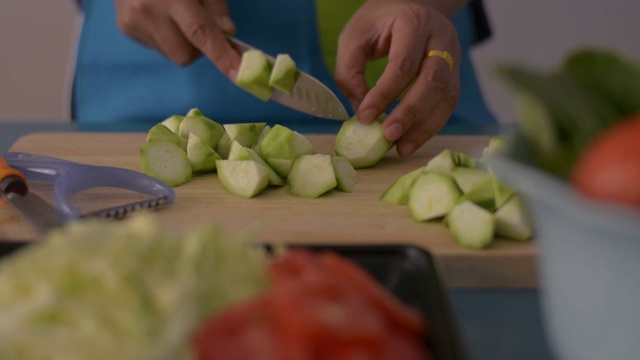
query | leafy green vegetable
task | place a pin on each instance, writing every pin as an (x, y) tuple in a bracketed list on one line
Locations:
[(125, 290), (560, 112)]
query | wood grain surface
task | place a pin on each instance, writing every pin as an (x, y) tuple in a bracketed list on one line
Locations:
[(335, 218)]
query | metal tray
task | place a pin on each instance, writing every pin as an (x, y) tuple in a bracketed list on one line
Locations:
[(408, 272)]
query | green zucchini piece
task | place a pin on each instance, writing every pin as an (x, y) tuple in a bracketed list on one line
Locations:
[(281, 166), (346, 175), (166, 162), (224, 146), (311, 176), (432, 195), (512, 220), (208, 130), (239, 152), (173, 123), (253, 74), (201, 156), (364, 145), (243, 178), (284, 73), (247, 134), (471, 225), (160, 132), (443, 162), (398, 192), (284, 143)]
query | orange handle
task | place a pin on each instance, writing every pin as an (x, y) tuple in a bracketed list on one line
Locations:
[(6, 171)]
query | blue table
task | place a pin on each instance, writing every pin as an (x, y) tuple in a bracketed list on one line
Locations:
[(495, 324)]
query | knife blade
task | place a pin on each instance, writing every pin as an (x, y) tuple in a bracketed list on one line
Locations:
[(14, 189), (309, 94)]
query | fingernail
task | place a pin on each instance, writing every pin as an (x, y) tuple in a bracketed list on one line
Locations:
[(393, 132), (226, 24), (368, 116), (407, 149)]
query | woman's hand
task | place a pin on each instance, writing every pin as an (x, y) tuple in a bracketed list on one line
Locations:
[(182, 30), (405, 30)]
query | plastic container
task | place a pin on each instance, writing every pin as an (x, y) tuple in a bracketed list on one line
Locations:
[(588, 264)]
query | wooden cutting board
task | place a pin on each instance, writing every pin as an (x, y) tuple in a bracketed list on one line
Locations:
[(335, 218)]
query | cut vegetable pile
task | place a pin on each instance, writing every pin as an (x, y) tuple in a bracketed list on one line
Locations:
[(250, 157), (465, 195)]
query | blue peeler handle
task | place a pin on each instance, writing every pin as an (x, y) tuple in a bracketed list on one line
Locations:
[(69, 178)]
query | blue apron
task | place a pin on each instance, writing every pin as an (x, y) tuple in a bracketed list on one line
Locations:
[(118, 80)]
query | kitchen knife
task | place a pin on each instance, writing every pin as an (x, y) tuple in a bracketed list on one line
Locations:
[(14, 189), (309, 95)]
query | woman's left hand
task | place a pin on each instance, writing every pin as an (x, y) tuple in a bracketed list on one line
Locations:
[(406, 31)]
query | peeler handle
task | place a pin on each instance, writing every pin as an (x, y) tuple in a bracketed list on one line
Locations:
[(38, 167)]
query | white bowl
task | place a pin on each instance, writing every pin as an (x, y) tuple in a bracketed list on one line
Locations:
[(588, 263)]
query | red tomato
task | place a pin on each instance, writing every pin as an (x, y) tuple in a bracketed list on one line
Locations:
[(609, 169), (358, 280), (244, 331), (319, 306)]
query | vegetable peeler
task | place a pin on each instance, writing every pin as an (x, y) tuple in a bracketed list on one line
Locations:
[(69, 178)]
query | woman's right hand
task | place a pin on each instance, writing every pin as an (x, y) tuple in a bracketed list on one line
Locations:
[(182, 30)]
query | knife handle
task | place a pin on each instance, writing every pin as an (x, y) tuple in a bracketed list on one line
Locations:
[(11, 180)]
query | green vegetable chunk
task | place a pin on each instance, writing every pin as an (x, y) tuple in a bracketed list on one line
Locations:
[(284, 73), (433, 195), (311, 176), (166, 162), (471, 225), (283, 143), (247, 134), (160, 132), (254, 73), (173, 123), (243, 178), (444, 162), (363, 145), (208, 130), (346, 175), (512, 220), (239, 152), (201, 156), (398, 192)]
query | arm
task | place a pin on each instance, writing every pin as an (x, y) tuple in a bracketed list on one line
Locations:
[(405, 31)]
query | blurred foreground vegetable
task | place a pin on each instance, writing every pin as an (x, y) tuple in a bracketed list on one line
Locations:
[(125, 290), (609, 169), (561, 112), (320, 306)]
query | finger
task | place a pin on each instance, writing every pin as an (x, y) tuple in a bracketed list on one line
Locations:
[(351, 62), (132, 21), (172, 43), (431, 111), (221, 12), (435, 86), (202, 31), (405, 57)]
